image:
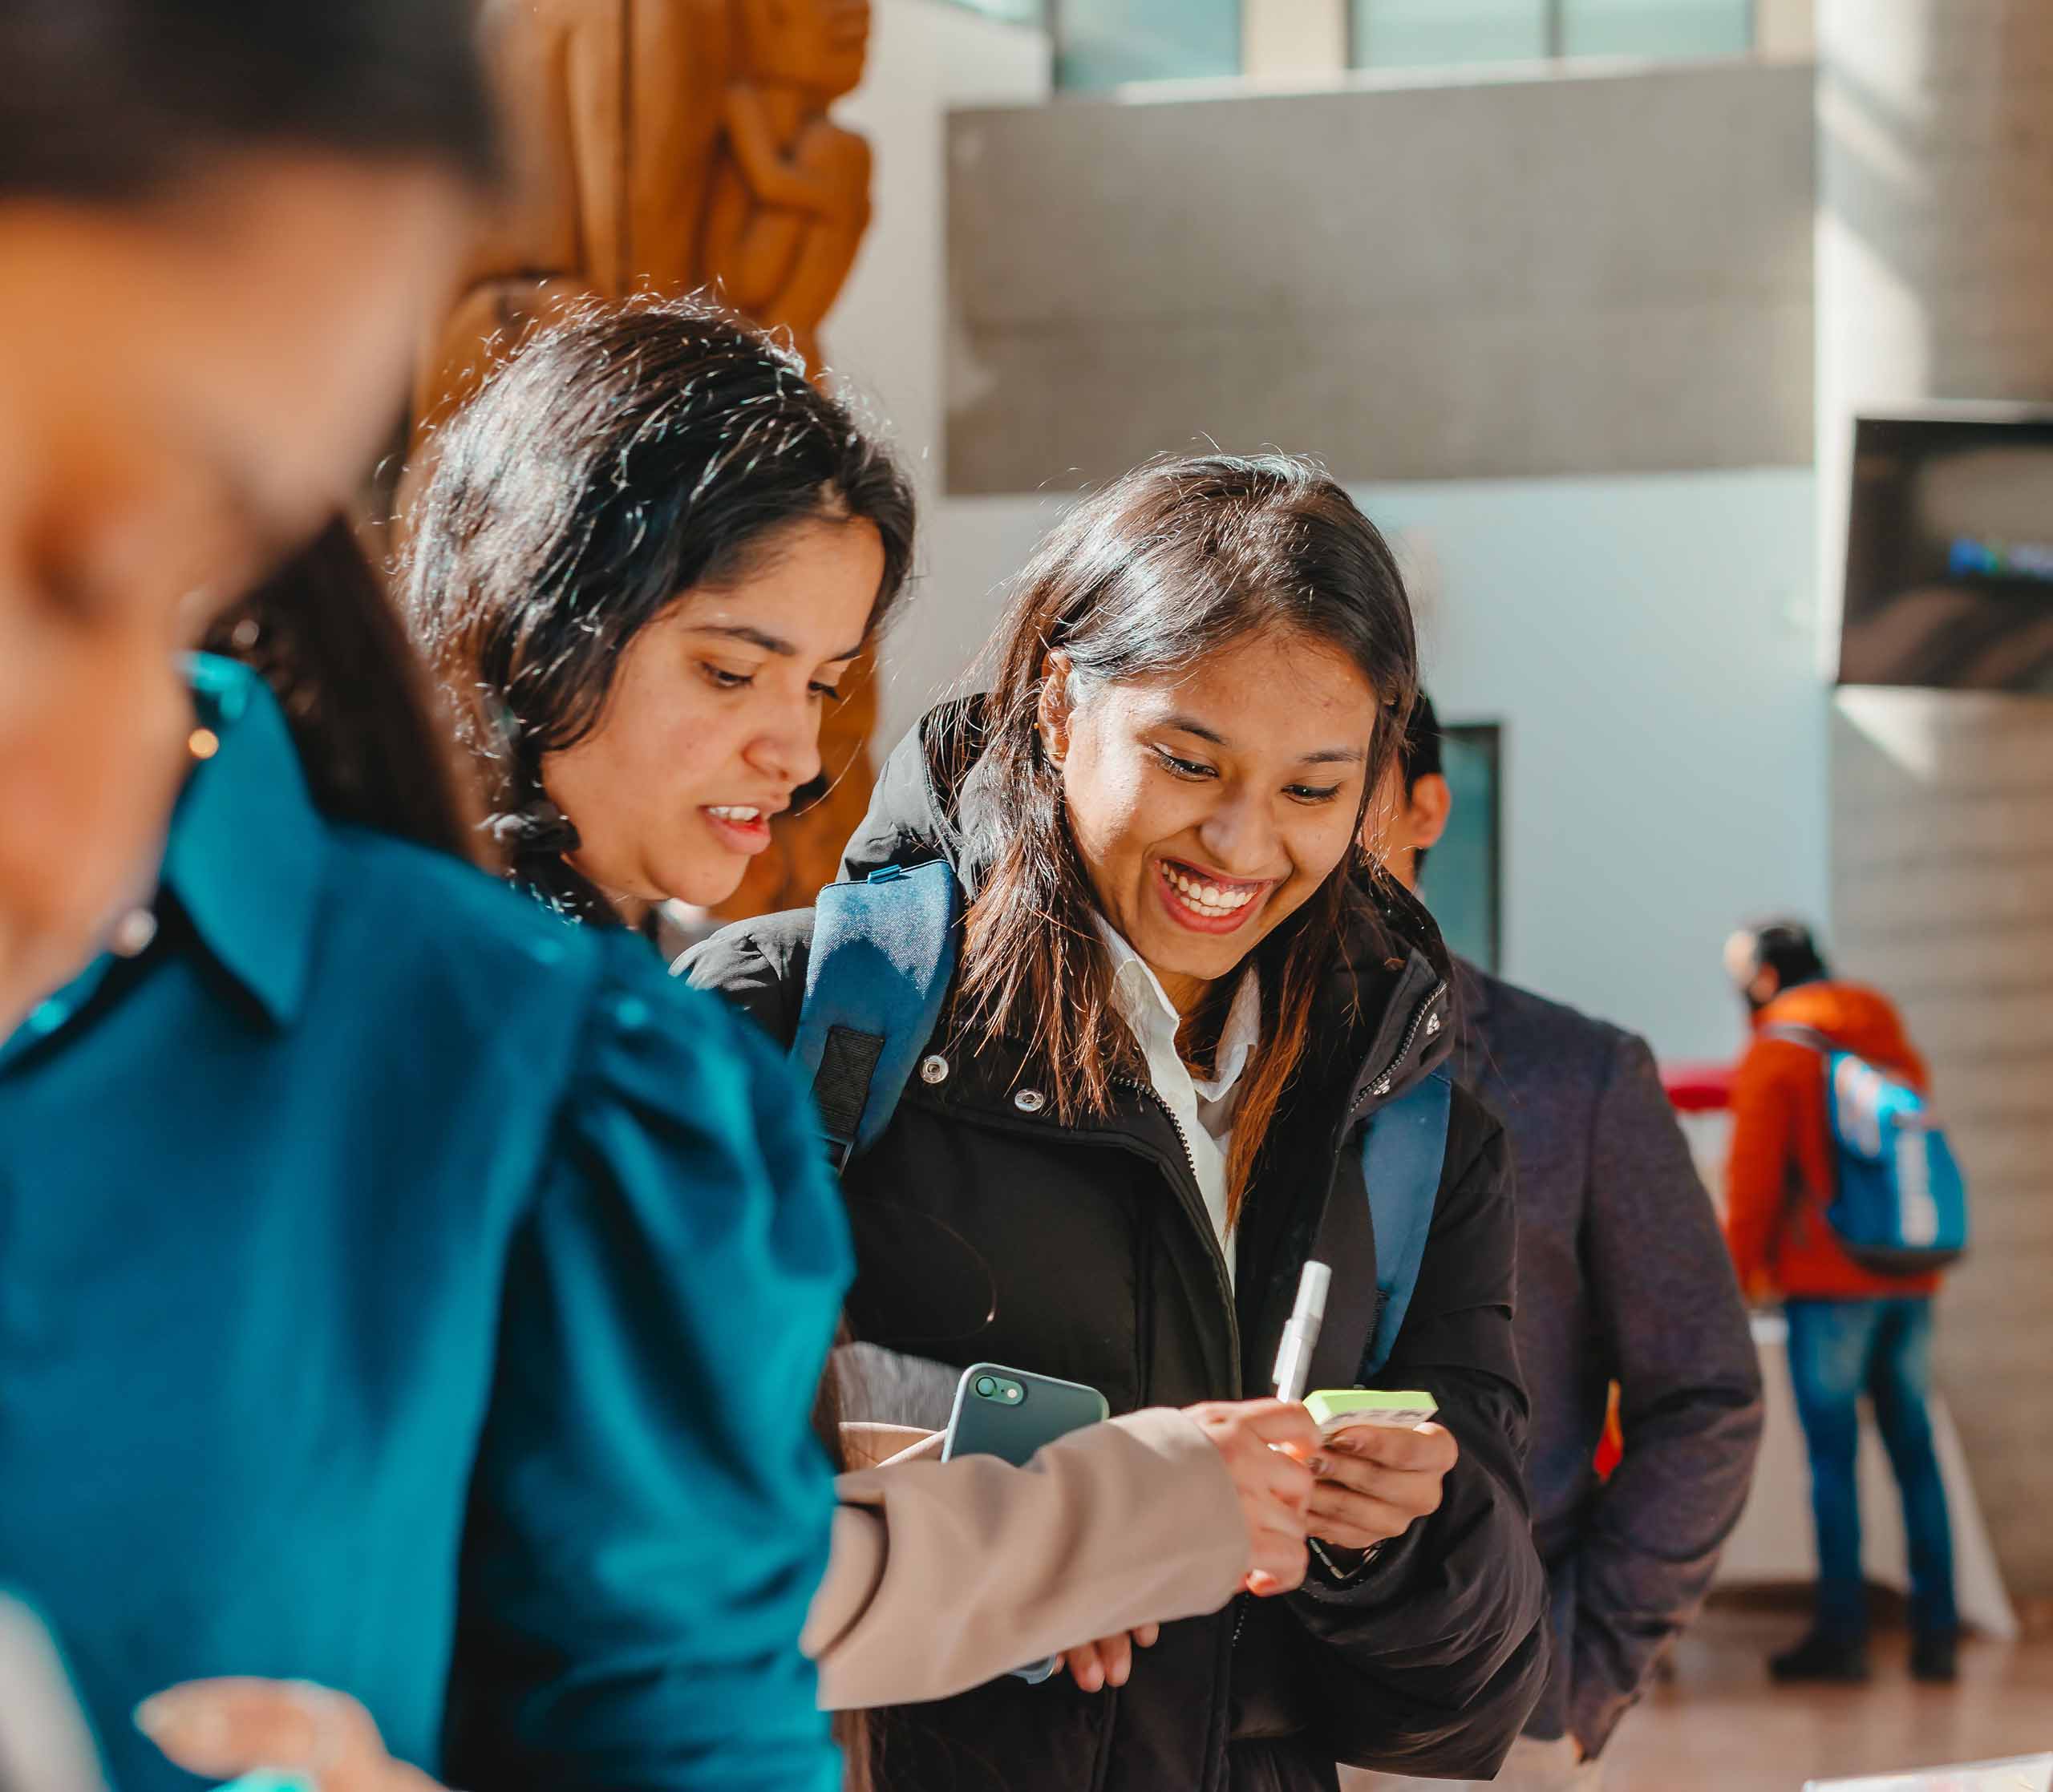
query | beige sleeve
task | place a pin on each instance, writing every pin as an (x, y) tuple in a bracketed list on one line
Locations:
[(943, 1575)]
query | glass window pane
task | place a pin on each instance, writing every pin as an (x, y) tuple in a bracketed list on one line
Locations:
[(1105, 42), (1414, 33), (1657, 27), (1014, 12), (1462, 882)]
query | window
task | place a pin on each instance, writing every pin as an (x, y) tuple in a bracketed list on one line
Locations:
[(1103, 44), (1657, 27), (1408, 33), (1413, 33), (1013, 12), (1462, 881)]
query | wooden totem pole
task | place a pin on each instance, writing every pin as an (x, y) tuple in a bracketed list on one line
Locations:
[(672, 146)]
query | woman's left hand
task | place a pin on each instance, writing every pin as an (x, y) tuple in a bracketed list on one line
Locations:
[(1108, 1661), (1375, 1483), (223, 1728)]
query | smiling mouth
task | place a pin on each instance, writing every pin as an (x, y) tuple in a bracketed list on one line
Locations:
[(743, 827), (1217, 902)]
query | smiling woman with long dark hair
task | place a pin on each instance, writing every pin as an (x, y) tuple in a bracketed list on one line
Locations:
[(1180, 994)]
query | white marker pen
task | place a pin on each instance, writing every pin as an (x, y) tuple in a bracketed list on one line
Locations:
[(1294, 1355)]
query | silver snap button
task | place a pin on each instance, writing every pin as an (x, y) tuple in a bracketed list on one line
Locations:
[(934, 1070), (1029, 1101)]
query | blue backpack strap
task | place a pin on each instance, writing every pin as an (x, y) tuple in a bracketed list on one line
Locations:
[(1402, 1157), (883, 951)]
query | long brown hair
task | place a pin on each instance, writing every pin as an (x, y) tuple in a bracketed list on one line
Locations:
[(1147, 578)]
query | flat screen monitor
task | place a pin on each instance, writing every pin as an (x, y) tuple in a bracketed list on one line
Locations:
[(1949, 553)]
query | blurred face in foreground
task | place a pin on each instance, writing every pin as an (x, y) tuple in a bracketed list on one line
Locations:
[(188, 385)]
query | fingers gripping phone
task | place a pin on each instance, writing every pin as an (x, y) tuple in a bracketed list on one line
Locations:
[(1011, 1414)]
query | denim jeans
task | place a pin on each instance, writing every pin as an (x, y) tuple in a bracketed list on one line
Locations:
[(1838, 1351)]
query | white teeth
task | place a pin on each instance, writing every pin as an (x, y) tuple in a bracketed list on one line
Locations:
[(728, 814), (1208, 896)]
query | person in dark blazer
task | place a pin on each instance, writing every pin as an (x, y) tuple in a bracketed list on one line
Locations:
[(1622, 1278)]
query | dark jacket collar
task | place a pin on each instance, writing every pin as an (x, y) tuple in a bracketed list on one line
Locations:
[(247, 858), (929, 803)]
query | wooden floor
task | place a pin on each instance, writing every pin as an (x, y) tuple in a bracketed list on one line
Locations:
[(1718, 1725)]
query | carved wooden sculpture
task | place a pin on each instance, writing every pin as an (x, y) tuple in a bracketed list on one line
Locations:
[(672, 146)]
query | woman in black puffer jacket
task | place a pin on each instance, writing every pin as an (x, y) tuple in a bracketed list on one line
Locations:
[(1180, 995)]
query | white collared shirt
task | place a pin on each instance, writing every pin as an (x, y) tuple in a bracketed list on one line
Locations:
[(1203, 1110)]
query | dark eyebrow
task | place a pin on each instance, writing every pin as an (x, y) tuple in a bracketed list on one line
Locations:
[(1186, 725), (1327, 756), (769, 643)]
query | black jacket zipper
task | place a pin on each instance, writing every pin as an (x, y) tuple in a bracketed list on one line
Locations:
[(1385, 1079), (1196, 1213)]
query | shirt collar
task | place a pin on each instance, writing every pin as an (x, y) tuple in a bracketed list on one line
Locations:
[(246, 857), (1145, 1006)]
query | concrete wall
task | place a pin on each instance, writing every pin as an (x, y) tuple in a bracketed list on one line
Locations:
[(1942, 893), (1646, 643), (1935, 257), (1527, 275)]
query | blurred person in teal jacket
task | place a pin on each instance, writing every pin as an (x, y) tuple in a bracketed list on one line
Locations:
[(407, 1291), (342, 1331), (221, 222)]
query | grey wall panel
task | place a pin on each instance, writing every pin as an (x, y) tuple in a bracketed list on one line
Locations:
[(1564, 275), (1935, 187), (1942, 894)]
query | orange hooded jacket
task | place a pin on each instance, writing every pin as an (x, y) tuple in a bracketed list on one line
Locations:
[(1779, 1178)]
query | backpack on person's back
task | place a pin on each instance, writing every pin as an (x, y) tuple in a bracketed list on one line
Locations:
[(1898, 1205)]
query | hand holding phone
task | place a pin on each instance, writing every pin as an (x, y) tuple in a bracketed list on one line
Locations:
[(1337, 1409), (1377, 1479)]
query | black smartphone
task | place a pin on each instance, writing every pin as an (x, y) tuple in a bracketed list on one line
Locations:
[(1011, 1413)]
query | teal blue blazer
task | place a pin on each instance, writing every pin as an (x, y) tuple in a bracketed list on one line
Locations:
[(404, 1289)]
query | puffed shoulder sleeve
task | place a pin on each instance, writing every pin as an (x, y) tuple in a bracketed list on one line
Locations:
[(651, 1510)]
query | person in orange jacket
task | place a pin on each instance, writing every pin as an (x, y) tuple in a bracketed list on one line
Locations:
[(1851, 1331)]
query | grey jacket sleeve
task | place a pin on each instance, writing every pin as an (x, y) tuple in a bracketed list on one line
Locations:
[(1662, 1285)]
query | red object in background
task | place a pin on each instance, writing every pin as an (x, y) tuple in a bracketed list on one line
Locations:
[(1612, 1446), (1697, 1088)]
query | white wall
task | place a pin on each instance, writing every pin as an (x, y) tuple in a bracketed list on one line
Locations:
[(888, 332), (1645, 643)]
